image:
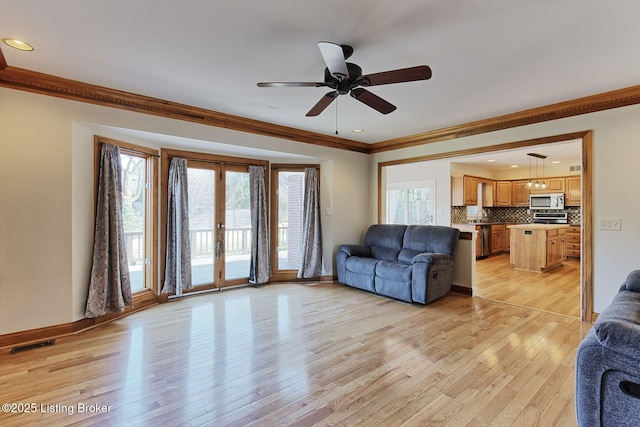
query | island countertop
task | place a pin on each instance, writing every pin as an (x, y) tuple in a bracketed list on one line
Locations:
[(538, 226)]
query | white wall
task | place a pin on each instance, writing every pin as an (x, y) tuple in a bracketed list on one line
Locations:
[(615, 174), (438, 170), (46, 196)]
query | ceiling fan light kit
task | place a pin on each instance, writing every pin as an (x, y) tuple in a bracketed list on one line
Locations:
[(346, 78)]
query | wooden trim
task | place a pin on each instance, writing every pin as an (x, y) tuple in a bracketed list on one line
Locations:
[(584, 105), (3, 61), (586, 264), (462, 290), (45, 84), (142, 301)]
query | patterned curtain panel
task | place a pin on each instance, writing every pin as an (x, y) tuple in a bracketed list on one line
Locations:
[(177, 274), (110, 286), (311, 227), (260, 267)]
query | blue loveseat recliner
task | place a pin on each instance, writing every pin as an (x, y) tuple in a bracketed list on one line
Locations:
[(412, 263), (608, 363)]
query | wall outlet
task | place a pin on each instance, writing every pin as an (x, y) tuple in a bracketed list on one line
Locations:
[(611, 224)]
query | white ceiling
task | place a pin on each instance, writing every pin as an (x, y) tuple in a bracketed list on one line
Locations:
[(559, 157), (489, 57)]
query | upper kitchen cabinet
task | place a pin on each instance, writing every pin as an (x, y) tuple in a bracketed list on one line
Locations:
[(519, 193), (573, 192), (464, 190), (469, 190), (554, 185), (503, 193)]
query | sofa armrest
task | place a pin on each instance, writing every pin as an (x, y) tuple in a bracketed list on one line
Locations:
[(632, 283), (433, 258), (356, 250), (619, 336)]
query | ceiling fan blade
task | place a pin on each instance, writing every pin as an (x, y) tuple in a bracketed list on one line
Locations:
[(290, 84), (322, 104), (334, 58), (411, 74), (373, 101)]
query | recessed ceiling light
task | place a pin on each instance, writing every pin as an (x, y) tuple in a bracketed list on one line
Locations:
[(18, 44), (491, 160), (357, 130), (514, 166), (555, 162)]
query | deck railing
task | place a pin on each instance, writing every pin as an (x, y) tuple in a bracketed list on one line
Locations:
[(237, 242)]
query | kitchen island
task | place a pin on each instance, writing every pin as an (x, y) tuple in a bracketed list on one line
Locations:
[(537, 247)]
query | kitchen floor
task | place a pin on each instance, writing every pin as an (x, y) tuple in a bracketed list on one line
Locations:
[(555, 291)]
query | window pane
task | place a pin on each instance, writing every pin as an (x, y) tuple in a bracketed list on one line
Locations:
[(419, 206), (396, 207), (201, 183), (290, 216), (237, 225), (133, 205)]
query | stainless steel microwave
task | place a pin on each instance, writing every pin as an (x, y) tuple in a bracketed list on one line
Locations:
[(546, 201)]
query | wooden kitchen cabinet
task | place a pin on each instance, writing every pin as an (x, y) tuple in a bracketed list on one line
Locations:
[(470, 191), (464, 190), (556, 240), (572, 246), (554, 185), (497, 238), (537, 247), (519, 193), (573, 191), (503, 193)]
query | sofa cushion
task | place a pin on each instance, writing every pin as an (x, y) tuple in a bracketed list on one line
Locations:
[(385, 240), (394, 270), (362, 265), (428, 238)]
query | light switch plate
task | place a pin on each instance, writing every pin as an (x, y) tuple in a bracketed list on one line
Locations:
[(611, 224)]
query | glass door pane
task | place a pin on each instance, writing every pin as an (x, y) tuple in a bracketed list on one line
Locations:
[(290, 211), (237, 239), (202, 192), (133, 211)]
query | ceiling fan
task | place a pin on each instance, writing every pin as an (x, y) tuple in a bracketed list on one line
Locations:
[(344, 77)]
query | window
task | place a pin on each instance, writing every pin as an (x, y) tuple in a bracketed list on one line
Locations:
[(287, 217), (410, 203), (139, 200)]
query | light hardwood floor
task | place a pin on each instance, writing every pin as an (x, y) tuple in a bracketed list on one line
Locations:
[(293, 354), (556, 290)]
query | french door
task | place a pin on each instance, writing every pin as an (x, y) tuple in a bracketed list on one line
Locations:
[(219, 224)]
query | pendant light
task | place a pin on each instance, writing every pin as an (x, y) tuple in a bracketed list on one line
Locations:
[(537, 184)]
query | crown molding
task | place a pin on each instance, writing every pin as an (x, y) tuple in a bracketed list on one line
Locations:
[(31, 81), (3, 61), (584, 105), (45, 84)]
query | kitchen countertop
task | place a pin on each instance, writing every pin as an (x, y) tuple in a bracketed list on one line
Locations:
[(539, 226)]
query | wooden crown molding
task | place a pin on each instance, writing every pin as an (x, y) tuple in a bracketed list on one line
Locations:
[(584, 105), (31, 81), (3, 62), (45, 84)]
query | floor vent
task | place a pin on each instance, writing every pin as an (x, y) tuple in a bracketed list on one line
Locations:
[(32, 346)]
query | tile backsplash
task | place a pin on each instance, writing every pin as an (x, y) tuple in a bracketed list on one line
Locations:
[(511, 214)]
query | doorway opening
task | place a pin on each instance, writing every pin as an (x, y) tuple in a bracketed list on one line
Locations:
[(585, 263)]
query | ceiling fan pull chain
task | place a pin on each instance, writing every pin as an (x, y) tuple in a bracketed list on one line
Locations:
[(336, 116)]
